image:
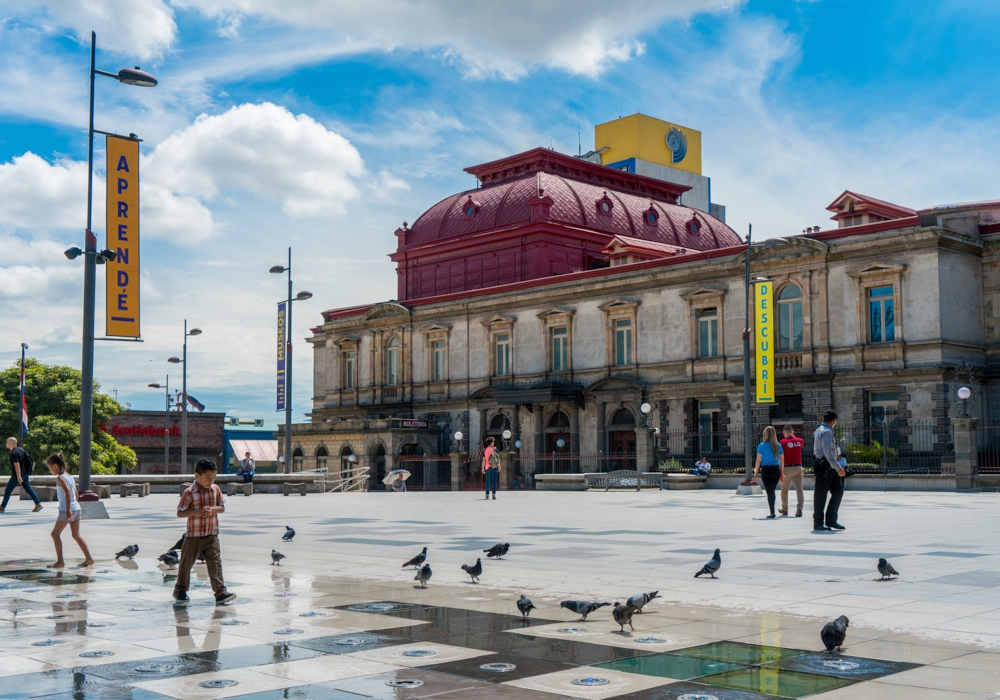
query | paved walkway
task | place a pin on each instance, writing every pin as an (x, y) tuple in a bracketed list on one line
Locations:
[(778, 584)]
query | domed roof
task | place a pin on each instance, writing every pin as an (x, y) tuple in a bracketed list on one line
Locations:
[(573, 203)]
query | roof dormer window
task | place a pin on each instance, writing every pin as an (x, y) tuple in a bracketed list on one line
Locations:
[(470, 207), (605, 205), (651, 216), (694, 226)]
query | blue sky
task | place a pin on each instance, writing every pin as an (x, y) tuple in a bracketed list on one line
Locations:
[(322, 125)]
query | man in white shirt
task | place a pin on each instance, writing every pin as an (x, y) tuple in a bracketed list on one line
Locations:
[(702, 467)]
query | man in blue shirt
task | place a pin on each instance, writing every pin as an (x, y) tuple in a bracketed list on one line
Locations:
[(20, 472)]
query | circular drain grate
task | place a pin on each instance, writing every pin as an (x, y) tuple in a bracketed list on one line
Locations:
[(650, 640), (233, 623), (419, 652), (284, 594), (404, 683), (47, 643), (696, 696), (58, 617), (312, 613), (351, 641), (96, 654), (498, 668), (590, 682), (379, 607), (156, 667), (221, 683), (841, 665), (100, 624), (105, 571), (288, 630), (68, 595), (570, 630)]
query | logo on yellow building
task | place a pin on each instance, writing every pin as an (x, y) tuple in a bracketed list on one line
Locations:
[(677, 142)]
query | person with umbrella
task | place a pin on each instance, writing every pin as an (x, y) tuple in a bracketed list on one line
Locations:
[(396, 479)]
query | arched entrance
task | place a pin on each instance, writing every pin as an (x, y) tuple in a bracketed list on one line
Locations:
[(558, 431), (621, 440), (377, 471)]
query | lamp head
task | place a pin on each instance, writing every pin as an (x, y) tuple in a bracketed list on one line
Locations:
[(459, 436), (109, 255), (646, 408), (277, 269), (174, 360), (964, 393), (24, 346), (154, 385), (518, 444), (134, 76), (302, 296), (506, 434), (560, 443), (73, 253), (352, 458), (194, 331)]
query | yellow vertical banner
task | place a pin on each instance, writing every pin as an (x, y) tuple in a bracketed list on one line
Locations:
[(764, 331), (122, 290)]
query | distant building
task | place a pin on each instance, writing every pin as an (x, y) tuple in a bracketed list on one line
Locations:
[(145, 432), (255, 436)]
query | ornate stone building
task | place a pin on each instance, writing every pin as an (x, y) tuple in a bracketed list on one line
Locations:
[(560, 295)]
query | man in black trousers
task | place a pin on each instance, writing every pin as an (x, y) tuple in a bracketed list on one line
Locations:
[(829, 476)]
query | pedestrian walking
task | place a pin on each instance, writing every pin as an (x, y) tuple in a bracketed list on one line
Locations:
[(792, 475), (829, 475), (247, 469), (491, 467), (201, 504), (69, 511), (770, 464), (21, 465), (702, 467)]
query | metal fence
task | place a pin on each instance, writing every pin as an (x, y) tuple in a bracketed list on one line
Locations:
[(988, 445), (579, 463), (427, 472), (870, 448)]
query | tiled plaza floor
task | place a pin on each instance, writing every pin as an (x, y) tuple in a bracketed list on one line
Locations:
[(307, 629)]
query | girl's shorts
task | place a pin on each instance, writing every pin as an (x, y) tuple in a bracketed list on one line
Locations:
[(71, 518)]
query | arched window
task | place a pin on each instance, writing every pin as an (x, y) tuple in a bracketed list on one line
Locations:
[(559, 420), (321, 455), (392, 362), (297, 456), (789, 318), (345, 457), (623, 416)]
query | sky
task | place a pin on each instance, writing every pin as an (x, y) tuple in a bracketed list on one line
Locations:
[(322, 125)]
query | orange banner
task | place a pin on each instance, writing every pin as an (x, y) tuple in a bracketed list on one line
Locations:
[(122, 290)]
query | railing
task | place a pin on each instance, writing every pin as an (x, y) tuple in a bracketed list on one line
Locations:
[(789, 361), (566, 463), (353, 481), (427, 472), (988, 444)]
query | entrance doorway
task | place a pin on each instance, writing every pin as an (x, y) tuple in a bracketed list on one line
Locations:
[(621, 440), (377, 472)]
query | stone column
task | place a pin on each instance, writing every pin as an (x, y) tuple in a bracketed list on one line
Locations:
[(506, 482), (457, 462), (574, 433), (602, 433), (539, 436), (482, 432), (645, 453), (966, 454)]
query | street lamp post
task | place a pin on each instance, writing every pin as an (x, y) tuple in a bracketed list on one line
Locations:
[(301, 296), (184, 390), (129, 77), (166, 420), (747, 416)]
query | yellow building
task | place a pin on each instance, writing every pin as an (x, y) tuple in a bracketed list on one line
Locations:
[(650, 139)]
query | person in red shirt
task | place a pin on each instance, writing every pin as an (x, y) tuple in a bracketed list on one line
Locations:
[(792, 446)]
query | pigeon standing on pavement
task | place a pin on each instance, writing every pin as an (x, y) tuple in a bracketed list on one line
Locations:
[(276, 557), (497, 550), (639, 600), (525, 606), (289, 534), (886, 569), (834, 633), (423, 575), (129, 552), (713, 565), (475, 570), (170, 559), (417, 560), (582, 608), (623, 615)]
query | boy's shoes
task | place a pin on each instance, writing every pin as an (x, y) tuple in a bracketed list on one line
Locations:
[(494, 497), (225, 598), (181, 598)]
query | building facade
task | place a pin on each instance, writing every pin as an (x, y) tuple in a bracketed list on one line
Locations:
[(599, 310), (146, 433)]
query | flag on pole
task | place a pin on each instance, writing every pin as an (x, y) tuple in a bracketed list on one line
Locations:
[(195, 402), (24, 400)]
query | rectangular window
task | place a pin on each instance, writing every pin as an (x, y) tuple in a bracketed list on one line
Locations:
[(708, 426), (502, 354), (708, 333), (392, 367), (882, 315), (350, 366), (439, 361), (790, 326), (560, 348), (623, 342), (882, 404)]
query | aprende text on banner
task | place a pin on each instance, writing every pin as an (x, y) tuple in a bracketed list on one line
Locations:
[(122, 288), (281, 355), (764, 331)]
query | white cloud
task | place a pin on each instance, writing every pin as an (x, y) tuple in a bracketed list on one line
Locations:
[(181, 219), (144, 29), (582, 37), (264, 150), (37, 194)]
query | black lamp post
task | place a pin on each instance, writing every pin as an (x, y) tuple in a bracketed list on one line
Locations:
[(166, 420), (184, 392)]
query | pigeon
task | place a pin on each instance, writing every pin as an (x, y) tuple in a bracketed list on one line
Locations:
[(834, 633), (497, 550), (582, 608), (639, 600), (886, 569), (128, 552), (276, 557), (423, 575), (417, 560), (170, 558), (289, 534), (713, 565), (623, 615), (525, 606), (474, 571), (179, 545)]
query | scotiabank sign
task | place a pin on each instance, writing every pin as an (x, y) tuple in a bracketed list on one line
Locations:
[(139, 430)]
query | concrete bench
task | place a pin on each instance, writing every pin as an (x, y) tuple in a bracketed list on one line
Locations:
[(101, 490), (561, 482), (301, 487), (140, 490), (625, 479), (45, 493), (233, 487), (686, 482)]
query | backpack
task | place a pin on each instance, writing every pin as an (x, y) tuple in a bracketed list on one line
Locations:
[(29, 464), (494, 460)]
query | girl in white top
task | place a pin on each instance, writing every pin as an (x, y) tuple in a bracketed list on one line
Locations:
[(69, 511)]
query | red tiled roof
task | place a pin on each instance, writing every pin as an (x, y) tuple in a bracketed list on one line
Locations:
[(880, 204), (641, 244)]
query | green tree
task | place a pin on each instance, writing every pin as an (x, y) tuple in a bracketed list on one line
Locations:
[(54, 417)]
